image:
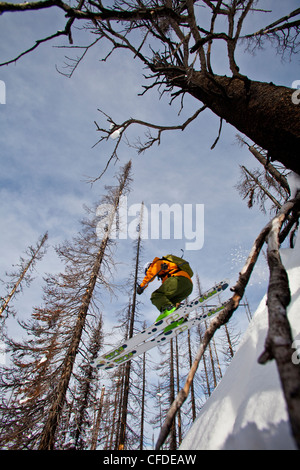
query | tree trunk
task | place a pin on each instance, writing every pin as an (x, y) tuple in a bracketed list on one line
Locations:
[(48, 433), (96, 426), (131, 317), (172, 397), (143, 403), (262, 111)]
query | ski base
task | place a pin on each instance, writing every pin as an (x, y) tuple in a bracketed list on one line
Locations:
[(162, 338), (181, 312)]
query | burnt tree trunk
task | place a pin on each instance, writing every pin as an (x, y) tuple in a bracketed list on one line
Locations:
[(264, 112), (47, 439)]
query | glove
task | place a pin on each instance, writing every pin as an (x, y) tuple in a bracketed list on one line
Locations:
[(139, 290)]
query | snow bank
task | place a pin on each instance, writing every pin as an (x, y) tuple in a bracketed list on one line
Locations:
[(247, 410), (293, 180)]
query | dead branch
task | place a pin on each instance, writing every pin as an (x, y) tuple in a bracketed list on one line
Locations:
[(285, 32), (36, 6), (101, 13), (281, 179), (118, 130), (278, 25)]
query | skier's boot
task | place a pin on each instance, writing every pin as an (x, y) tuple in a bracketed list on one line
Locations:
[(175, 323), (165, 311)]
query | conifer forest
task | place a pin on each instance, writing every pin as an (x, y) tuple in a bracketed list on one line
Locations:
[(132, 129)]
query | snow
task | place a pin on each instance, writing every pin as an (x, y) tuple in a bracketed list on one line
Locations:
[(44, 359), (116, 134), (247, 410), (294, 183), (24, 400)]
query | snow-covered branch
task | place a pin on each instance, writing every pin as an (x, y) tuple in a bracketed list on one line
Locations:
[(117, 131)]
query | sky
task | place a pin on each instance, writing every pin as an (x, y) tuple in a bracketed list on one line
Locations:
[(47, 152)]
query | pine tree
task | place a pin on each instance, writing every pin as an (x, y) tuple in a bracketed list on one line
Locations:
[(85, 396), (131, 317), (23, 275), (263, 185), (97, 421), (44, 364), (143, 394), (48, 433)]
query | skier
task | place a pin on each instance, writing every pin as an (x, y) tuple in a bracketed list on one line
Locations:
[(176, 283)]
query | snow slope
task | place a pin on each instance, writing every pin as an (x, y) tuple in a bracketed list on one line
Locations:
[(247, 410)]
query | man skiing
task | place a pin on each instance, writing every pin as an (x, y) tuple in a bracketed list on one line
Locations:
[(175, 274)]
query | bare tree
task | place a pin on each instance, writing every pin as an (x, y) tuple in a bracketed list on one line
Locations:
[(39, 380), (130, 324), (252, 188), (84, 385), (26, 267), (48, 434), (263, 184), (97, 421)]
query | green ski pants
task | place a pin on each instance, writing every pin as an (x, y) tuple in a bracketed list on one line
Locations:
[(175, 289)]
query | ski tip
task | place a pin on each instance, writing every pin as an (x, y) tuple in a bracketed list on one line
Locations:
[(225, 284), (153, 330)]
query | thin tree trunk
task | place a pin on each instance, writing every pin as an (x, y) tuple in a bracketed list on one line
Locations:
[(98, 421), (130, 334), (229, 341), (47, 439), (23, 274), (172, 397), (143, 403)]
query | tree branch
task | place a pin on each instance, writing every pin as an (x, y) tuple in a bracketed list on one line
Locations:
[(101, 14), (275, 25), (35, 6), (117, 131)]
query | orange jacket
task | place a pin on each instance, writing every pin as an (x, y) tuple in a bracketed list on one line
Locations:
[(164, 273)]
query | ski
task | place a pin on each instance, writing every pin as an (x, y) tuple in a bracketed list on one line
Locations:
[(182, 311), (162, 338)]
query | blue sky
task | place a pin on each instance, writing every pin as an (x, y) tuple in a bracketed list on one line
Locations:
[(46, 139)]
